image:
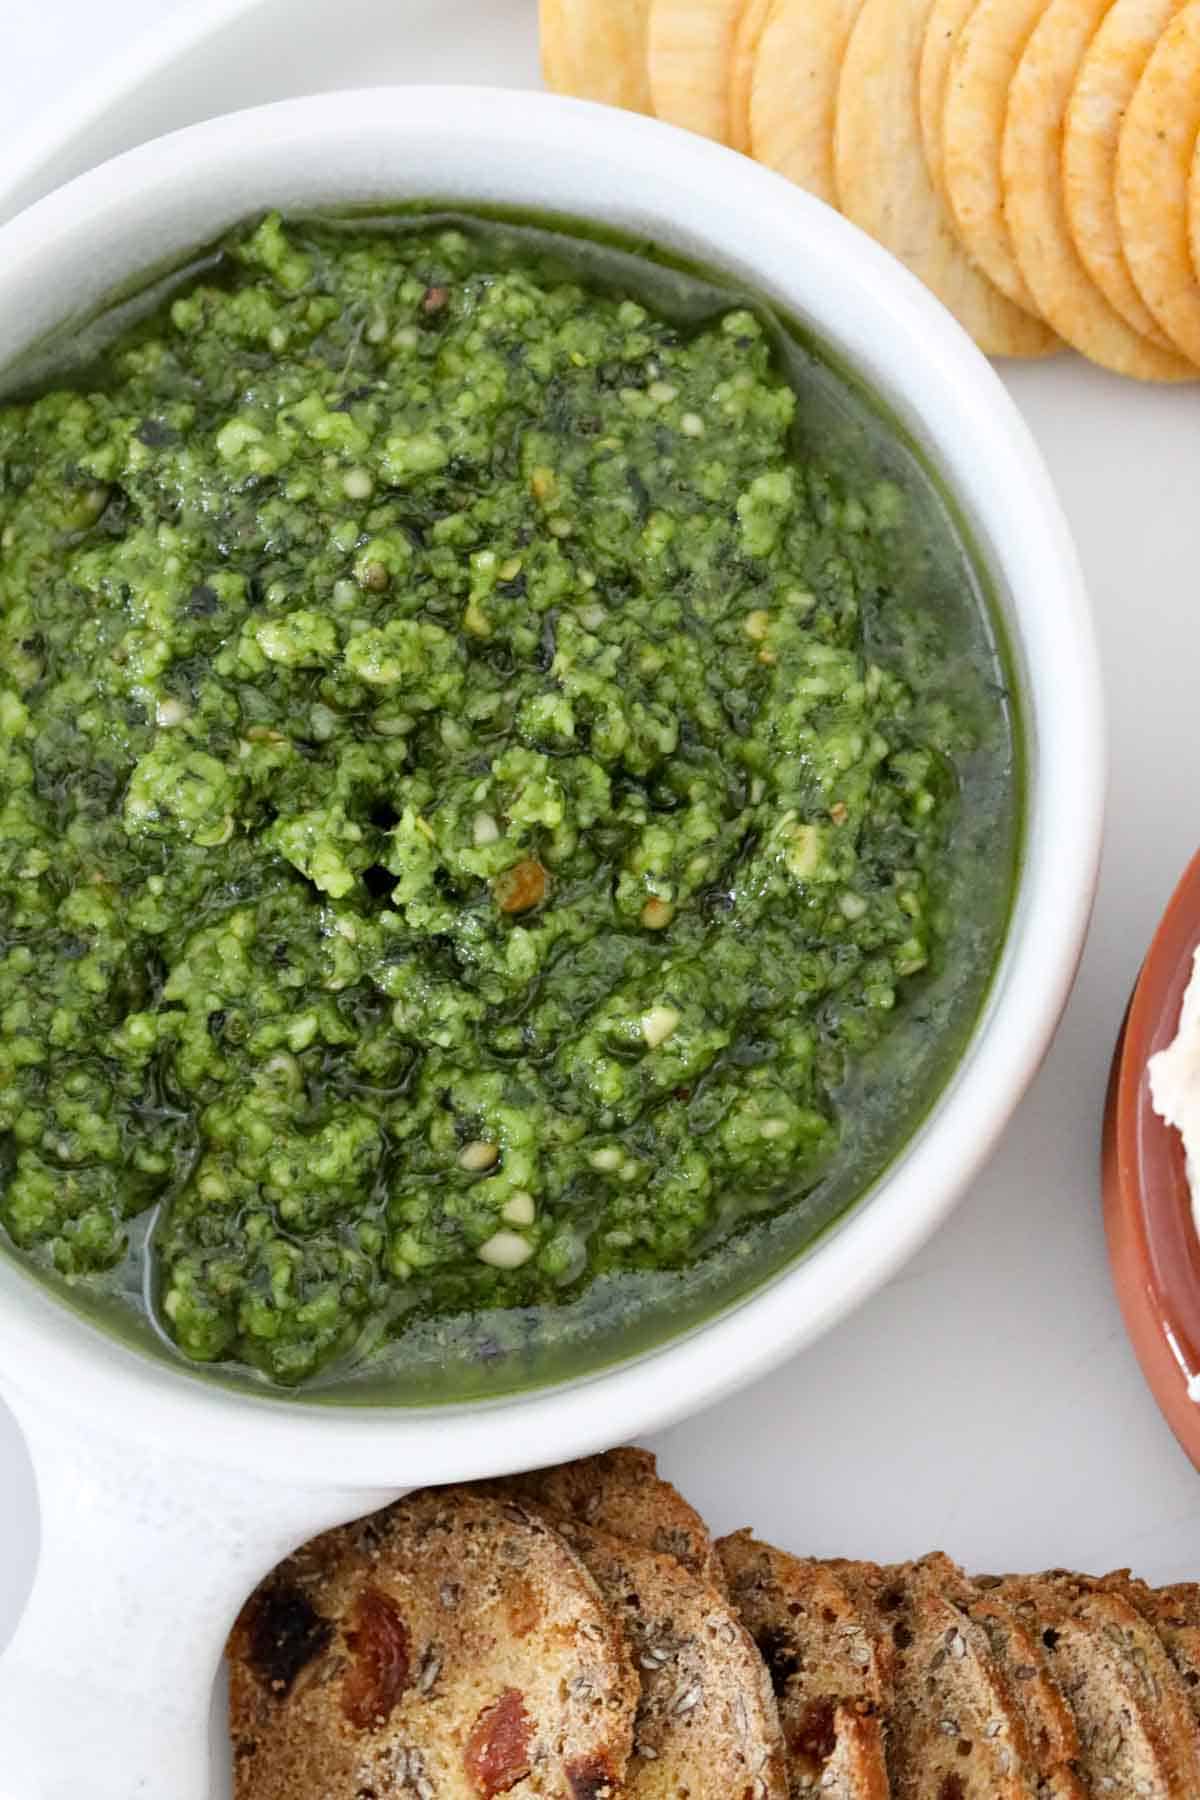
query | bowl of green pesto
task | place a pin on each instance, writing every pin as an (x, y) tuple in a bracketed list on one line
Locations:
[(551, 778), (522, 768)]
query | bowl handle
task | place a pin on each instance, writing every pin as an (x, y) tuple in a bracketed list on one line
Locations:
[(146, 1556)]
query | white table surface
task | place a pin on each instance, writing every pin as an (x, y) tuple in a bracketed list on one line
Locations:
[(987, 1402)]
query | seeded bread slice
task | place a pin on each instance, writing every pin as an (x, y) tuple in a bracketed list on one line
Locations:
[(450, 1646), (1020, 1660), (1137, 1732), (707, 1725), (954, 1731), (823, 1664), (1049, 1722), (622, 1492), (1176, 1612), (1177, 1621)]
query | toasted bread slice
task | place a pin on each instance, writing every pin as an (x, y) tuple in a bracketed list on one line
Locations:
[(1176, 1612), (823, 1664), (954, 1731), (1049, 1722), (622, 1492), (707, 1724), (449, 1645), (1020, 1660), (1137, 1732), (1177, 1621)]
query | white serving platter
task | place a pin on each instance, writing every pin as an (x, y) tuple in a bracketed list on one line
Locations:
[(987, 1402)]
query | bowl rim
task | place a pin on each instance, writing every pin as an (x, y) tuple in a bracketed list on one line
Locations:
[(909, 350), (1153, 1243)]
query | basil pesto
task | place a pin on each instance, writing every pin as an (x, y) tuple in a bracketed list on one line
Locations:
[(483, 783)]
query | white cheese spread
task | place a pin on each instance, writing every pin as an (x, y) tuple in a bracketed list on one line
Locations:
[(1175, 1083)]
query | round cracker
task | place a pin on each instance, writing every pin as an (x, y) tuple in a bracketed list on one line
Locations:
[(946, 20), (689, 44), (1154, 162), (883, 182), (983, 63), (793, 98), (450, 1644), (750, 27), (1111, 68), (596, 49), (1062, 289)]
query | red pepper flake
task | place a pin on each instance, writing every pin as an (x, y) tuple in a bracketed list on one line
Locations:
[(521, 887), (378, 1641), (434, 300), (497, 1752)]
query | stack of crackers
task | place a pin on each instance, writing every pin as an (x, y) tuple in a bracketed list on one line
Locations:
[(575, 1632), (1034, 162)]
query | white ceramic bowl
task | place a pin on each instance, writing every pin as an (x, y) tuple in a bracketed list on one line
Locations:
[(163, 1496)]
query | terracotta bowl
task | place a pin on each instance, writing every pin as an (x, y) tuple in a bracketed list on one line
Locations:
[(1152, 1240)]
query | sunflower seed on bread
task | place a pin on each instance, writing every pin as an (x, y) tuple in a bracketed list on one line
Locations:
[(1137, 1731), (622, 1492), (707, 1724), (954, 1731), (449, 1646), (824, 1667)]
